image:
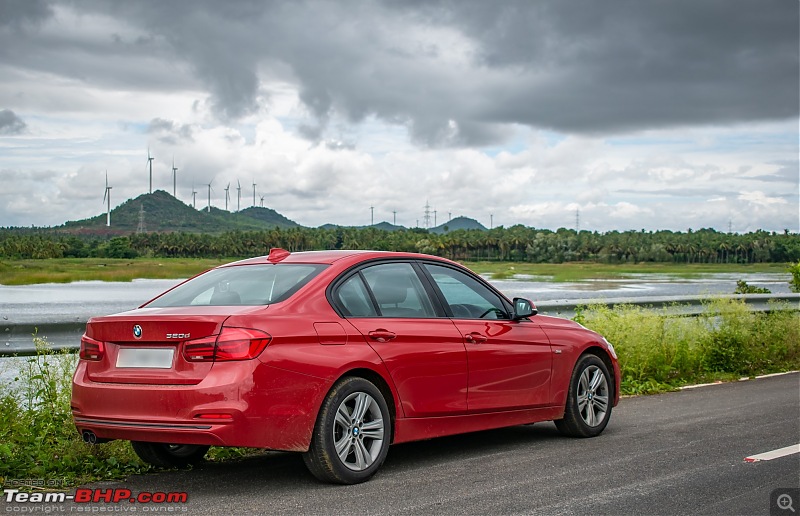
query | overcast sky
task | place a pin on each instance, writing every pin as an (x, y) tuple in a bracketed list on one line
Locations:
[(639, 114)]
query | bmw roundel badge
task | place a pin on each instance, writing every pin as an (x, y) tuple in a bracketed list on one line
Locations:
[(137, 331)]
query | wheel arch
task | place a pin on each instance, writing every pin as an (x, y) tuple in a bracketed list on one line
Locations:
[(380, 382), (603, 355)]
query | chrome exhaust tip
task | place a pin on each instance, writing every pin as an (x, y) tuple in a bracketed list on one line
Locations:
[(89, 437)]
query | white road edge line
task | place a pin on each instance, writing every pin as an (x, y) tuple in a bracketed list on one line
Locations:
[(774, 454), (720, 382)]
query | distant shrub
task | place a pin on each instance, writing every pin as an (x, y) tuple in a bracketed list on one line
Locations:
[(794, 283), (743, 288)]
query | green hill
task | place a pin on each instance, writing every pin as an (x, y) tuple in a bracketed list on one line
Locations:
[(162, 212), (456, 224), (383, 226), (267, 216)]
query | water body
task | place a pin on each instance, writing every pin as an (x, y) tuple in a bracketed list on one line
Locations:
[(639, 286)]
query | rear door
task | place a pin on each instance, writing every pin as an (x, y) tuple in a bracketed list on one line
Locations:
[(423, 351), (509, 361)]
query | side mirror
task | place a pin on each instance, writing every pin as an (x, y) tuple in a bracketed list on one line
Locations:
[(523, 308)]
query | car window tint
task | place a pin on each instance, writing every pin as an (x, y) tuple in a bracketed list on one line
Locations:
[(398, 290), (467, 297), (353, 297), (247, 285)]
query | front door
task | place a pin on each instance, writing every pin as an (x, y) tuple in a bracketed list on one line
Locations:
[(510, 362)]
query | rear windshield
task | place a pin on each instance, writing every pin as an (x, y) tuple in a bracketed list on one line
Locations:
[(248, 285)]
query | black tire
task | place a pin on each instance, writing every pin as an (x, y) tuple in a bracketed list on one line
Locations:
[(169, 455), (363, 435), (588, 406)]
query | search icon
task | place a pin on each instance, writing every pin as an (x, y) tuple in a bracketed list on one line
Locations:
[(785, 502)]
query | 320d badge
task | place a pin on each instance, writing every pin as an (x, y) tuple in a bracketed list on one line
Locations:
[(337, 355)]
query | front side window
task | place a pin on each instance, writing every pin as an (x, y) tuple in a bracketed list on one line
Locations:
[(248, 285), (467, 297), (397, 290)]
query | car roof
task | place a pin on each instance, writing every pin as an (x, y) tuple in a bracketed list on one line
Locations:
[(328, 257)]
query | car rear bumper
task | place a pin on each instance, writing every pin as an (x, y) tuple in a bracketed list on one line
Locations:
[(243, 403)]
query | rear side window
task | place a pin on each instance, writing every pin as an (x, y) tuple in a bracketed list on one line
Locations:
[(249, 285), (353, 297), (398, 290)]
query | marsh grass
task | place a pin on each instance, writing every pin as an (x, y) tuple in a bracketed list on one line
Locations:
[(578, 271), (37, 437), (726, 341), (66, 270)]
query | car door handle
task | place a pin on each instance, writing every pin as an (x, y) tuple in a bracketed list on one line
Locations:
[(381, 335), (475, 338)]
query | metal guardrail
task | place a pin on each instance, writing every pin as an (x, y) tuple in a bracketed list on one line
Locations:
[(17, 338), (673, 305)]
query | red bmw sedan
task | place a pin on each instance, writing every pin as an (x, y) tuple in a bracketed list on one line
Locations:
[(337, 355)]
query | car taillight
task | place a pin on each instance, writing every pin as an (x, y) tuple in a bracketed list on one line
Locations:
[(200, 350), (230, 344), (91, 349)]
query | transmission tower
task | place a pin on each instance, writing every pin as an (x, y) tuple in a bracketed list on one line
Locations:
[(426, 220), (141, 228)]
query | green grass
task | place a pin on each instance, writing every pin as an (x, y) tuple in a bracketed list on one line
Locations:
[(66, 270), (578, 271), (725, 342)]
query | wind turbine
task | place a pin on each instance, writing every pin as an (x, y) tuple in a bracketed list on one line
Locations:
[(209, 195), (238, 195), (262, 201), (194, 197), (254, 194), (227, 196), (150, 162), (174, 175), (107, 198)]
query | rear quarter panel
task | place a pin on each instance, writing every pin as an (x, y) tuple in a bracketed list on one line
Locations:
[(298, 346)]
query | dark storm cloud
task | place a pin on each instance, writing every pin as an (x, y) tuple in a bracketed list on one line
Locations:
[(459, 72), (629, 64), (10, 123), (18, 13)]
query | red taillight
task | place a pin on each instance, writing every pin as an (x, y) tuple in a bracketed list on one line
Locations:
[(91, 349), (200, 350), (231, 344)]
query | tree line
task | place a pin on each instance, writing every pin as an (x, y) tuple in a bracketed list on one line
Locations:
[(516, 243)]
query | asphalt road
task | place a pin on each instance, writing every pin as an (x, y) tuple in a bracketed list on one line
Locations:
[(676, 453)]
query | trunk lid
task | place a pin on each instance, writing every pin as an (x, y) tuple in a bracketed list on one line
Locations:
[(145, 346)]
